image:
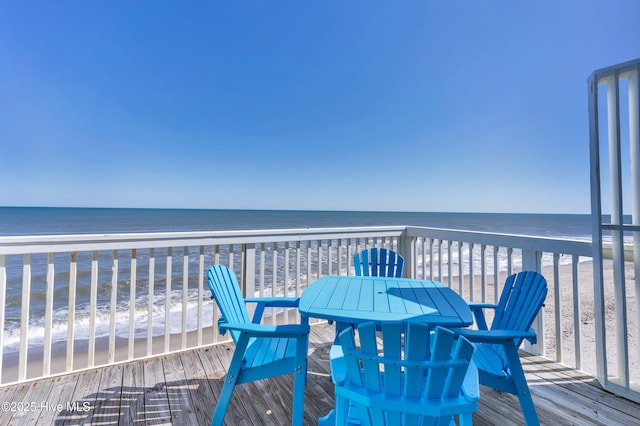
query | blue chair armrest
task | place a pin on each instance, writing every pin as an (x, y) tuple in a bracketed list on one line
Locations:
[(281, 302), (271, 302), (479, 305), (496, 336), (261, 330), (477, 309)]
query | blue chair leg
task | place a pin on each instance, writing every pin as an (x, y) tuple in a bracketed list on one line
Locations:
[(230, 381), (224, 399), (521, 387), (299, 381), (465, 419)]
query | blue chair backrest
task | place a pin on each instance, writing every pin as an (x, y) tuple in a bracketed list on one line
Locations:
[(395, 387), (378, 262), (226, 292), (522, 297)]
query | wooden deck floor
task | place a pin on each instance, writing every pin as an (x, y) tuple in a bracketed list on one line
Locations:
[(181, 389)]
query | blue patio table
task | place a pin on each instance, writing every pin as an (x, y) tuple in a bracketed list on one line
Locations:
[(350, 300)]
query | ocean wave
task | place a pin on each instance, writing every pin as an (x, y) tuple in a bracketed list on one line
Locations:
[(82, 321)]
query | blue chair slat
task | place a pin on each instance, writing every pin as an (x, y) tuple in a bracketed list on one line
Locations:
[(496, 347), (458, 375), (261, 351), (434, 385), (378, 262), (392, 349)]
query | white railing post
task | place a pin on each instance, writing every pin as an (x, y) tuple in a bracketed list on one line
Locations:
[(532, 261), (407, 249), (248, 283)]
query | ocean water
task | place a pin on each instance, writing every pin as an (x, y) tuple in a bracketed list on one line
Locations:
[(53, 221), (57, 221)]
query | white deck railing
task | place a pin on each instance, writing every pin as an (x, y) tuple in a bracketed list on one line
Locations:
[(91, 300)]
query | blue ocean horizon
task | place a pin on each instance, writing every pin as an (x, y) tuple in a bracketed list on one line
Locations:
[(79, 220)]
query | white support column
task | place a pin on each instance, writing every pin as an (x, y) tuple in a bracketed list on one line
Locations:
[(634, 142)]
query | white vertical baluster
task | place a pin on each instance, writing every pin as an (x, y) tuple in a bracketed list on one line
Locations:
[(309, 263), (274, 275), (132, 302), (298, 270), (576, 313), (297, 279), (496, 272), (319, 249), (93, 302), (151, 300), (71, 317), (329, 259), (483, 272), (471, 272), (167, 302), (557, 305), (339, 257), (460, 269), (48, 315), (287, 247), (24, 316), (449, 265), (440, 260), (185, 294), (214, 329), (261, 269), (114, 306), (201, 278)]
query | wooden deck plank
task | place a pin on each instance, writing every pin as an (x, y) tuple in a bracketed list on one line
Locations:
[(188, 383), (133, 390), (85, 392), (580, 384), (108, 399), (156, 399), (178, 389), (201, 391), (60, 395)]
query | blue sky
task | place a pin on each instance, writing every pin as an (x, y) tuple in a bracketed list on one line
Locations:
[(468, 106)]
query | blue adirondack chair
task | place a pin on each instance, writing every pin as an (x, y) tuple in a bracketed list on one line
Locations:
[(496, 353), (262, 351), (378, 262), (408, 384)]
